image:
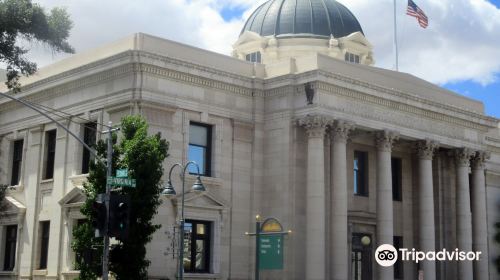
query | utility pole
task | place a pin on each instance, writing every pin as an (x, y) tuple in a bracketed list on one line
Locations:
[(105, 253)]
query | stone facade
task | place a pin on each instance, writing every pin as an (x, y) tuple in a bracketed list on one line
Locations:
[(276, 151)]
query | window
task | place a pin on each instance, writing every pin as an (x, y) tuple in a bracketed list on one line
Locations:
[(397, 183), (398, 266), (361, 173), (44, 244), (10, 248), (254, 57), (89, 137), (350, 57), (200, 148), (50, 150), (197, 246), (17, 158)]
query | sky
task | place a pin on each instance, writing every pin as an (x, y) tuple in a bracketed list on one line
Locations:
[(460, 50)]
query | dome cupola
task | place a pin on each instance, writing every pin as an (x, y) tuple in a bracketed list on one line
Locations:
[(303, 18), (285, 29)]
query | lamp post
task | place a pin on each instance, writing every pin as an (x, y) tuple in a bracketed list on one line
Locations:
[(169, 191)]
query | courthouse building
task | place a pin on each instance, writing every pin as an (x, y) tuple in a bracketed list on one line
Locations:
[(297, 124)]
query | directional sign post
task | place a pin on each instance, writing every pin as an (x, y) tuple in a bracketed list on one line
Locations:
[(269, 245), (271, 252)]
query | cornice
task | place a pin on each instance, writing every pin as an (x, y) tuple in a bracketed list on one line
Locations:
[(203, 68), (60, 90), (407, 96), (493, 140), (399, 106), (197, 80)]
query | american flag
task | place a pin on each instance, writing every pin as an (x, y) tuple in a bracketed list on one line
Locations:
[(414, 11)]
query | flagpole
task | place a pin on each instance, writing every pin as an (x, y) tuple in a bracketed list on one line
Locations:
[(396, 51)]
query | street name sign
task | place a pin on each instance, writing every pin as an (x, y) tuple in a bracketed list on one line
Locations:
[(123, 182), (122, 173)]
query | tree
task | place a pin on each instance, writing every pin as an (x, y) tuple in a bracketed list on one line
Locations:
[(3, 189), (143, 156), (24, 20)]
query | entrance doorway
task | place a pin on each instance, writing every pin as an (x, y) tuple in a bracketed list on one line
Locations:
[(361, 256)]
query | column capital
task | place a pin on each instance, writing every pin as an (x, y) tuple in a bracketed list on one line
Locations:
[(385, 140), (340, 130), (463, 156), (315, 125), (425, 149), (479, 159)]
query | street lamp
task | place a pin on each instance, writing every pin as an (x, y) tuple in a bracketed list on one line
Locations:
[(169, 191)]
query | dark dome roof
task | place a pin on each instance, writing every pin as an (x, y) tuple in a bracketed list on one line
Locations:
[(302, 18)]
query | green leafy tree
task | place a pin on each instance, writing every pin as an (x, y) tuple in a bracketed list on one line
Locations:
[(143, 155), (24, 20), (3, 189)]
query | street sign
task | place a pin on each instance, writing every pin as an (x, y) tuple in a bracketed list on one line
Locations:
[(124, 182), (122, 173), (271, 252)]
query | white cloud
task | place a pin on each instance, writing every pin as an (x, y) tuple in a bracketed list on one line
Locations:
[(461, 43)]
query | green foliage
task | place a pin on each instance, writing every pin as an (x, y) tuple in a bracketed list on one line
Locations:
[(143, 155), (22, 19), (3, 189)]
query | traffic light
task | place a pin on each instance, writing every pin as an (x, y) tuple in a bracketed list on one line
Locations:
[(119, 215), (99, 215)]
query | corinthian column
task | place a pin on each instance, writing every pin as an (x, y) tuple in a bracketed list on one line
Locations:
[(479, 226), (315, 196), (340, 251), (385, 223), (464, 224), (427, 231)]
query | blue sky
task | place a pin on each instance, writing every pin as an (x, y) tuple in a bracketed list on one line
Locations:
[(489, 94)]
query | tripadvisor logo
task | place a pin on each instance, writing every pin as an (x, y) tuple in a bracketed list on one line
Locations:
[(386, 255)]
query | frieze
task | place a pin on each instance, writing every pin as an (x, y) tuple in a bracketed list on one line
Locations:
[(365, 110), (190, 65), (401, 106), (406, 96), (197, 80), (63, 89)]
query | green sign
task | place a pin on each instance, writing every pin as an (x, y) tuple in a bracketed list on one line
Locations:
[(122, 173), (124, 182), (271, 252)]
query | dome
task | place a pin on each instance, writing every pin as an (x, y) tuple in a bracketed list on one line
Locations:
[(302, 18)]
